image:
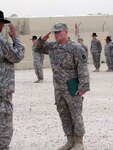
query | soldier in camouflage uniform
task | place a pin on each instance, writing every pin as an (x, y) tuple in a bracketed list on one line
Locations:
[(37, 61), (81, 41), (96, 49), (9, 54), (108, 50), (68, 60)]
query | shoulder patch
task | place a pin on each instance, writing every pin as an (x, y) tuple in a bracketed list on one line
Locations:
[(82, 54)]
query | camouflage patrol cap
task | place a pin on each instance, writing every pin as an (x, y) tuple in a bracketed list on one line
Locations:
[(59, 27)]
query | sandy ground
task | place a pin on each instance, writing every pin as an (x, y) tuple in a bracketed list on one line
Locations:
[(36, 122)]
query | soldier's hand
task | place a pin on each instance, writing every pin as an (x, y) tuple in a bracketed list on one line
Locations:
[(79, 93), (45, 37), (12, 30)]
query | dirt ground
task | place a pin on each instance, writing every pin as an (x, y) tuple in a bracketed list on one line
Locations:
[(36, 122)]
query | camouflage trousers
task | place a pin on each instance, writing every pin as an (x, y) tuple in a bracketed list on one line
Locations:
[(109, 62), (6, 121), (70, 112), (39, 70), (96, 60)]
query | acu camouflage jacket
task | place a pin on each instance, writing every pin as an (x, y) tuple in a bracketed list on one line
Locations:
[(67, 61), (9, 54)]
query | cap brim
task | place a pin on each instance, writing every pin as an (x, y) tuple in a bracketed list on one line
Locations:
[(108, 39), (5, 21), (94, 35), (56, 30)]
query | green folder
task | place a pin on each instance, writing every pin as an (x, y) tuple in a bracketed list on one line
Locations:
[(72, 85)]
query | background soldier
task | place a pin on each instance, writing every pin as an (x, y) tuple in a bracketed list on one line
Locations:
[(81, 41), (68, 61), (108, 51), (37, 61), (9, 54), (96, 49)]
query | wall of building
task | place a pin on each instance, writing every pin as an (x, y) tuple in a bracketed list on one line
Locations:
[(26, 27)]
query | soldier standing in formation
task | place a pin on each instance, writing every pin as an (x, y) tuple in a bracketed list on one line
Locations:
[(9, 54), (81, 41), (68, 60), (96, 49), (37, 61), (108, 51)]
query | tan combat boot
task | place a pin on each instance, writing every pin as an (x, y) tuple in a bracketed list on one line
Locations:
[(69, 144), (78, 143), (97, 70)]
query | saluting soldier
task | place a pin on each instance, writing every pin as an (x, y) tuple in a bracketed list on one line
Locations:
[(68, 61), (9, 54)]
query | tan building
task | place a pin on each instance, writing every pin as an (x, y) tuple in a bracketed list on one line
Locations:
[(86, 25)]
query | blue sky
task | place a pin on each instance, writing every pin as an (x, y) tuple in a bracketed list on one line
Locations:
[(55, 7)]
